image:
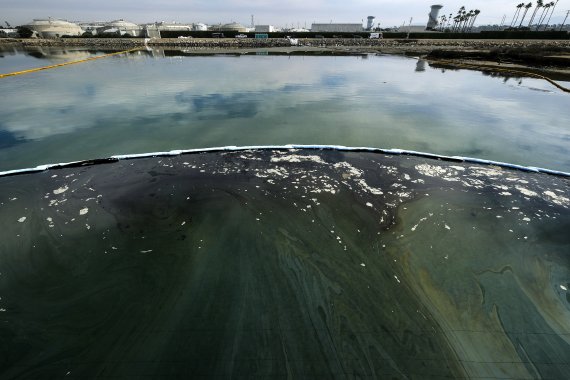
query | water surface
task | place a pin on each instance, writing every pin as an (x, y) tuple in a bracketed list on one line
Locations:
[(152, 101), (285, 264)]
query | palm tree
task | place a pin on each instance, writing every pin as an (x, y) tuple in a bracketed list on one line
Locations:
[(468, 18), (526, 8), (442, 23), (463, 19), (456, 21), (516, 15), (539, 5), (553, 7), (544, 13), (475, 13)]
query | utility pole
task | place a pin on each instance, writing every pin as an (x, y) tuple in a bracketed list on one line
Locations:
[(565, 18), (502, 21)]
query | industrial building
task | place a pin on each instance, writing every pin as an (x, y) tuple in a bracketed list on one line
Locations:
[(174, 27), (9, 32), (92, 27), (200, 27), (155, 30), (370, 22), (411, 29), (52, 28), (264, 29), (341, 28), (433, 15), (231, 27)]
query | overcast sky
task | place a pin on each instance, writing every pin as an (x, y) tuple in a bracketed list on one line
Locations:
[(275, 12)]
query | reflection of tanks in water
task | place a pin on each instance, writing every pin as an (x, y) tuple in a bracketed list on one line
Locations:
[(432, 22), (420, 66), (57, 53)]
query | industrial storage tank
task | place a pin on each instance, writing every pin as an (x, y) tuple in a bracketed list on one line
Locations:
[(200, 27), (123, 28), (51, 28), (234, 27)]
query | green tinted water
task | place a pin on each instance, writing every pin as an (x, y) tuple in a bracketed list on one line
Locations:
[(274, 264)]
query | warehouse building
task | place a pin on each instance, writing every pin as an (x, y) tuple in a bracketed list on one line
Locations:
[(174, 27), (264, 29), (341, 28)]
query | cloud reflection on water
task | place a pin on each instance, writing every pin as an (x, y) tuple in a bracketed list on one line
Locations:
[(141, 104)]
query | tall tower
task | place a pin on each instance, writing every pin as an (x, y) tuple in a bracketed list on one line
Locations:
[(370, 22), (432, 22)]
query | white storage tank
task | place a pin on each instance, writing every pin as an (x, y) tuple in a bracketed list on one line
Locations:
[(234, 27), (122, 27), (52, 28)]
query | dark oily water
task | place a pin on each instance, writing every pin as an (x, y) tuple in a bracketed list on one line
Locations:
[(156, 101), (285, 263)]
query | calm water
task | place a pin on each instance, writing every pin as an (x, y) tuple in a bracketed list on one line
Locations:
[(285, 264), (152, 102), (281, 263)]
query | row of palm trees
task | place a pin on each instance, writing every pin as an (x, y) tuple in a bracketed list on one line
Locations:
[(546, 12), (462, 22)]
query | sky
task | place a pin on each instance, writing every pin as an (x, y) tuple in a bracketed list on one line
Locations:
[(297, 13)]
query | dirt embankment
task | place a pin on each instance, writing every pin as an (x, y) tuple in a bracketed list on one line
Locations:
[(396, 45)]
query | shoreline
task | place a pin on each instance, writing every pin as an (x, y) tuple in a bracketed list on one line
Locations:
[(545, 57), (421, 46)]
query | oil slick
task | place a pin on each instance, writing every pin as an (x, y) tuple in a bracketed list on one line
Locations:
[(276, 262)]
